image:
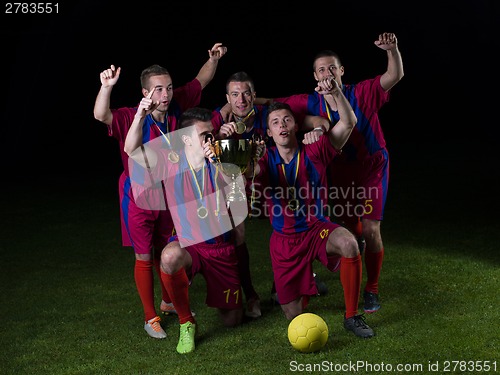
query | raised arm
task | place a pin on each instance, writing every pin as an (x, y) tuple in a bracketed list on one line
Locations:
[(263, 101), (102, 111), (339, 133), (394, 73), (133, 141), (207, 71)]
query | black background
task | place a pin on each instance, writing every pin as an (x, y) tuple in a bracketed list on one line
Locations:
[(51, 63)]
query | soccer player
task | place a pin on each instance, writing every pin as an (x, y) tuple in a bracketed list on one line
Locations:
[(203, 241), (149, 230), (360, 174), (296, 198), (241, 118)]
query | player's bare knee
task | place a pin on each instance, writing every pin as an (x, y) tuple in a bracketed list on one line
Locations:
[(231, 318), (344, 243), (292, 309), (289, 315), (371, 228), (171, 258)]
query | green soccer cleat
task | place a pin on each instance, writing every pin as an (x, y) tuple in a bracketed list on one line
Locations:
[(186, 338)]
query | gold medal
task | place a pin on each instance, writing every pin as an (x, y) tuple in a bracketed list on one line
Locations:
[(173, 157), (240, 127), (293, 204), (202, 212)]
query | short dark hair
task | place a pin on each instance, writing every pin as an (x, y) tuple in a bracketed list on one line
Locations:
[(240, 77), (187, 121), (276, 106), (325, 53), (153, 70), (193, 115)]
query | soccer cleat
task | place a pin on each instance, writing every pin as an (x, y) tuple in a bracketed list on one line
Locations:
[(372, 303), (186, 338), (253, 308), (168, 308), (358, 326), (154, 329), (320, 285)]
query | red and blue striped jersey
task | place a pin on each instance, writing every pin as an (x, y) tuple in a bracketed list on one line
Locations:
[(184, 97), (196, 200), (306, 173), (366, 99)]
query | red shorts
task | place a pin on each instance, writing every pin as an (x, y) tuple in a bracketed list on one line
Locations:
[(143, 229), (219, 266), (359, 189), (292, 258)]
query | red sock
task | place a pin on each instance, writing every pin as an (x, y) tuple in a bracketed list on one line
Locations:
[(143, 274), (177, 286), (354, 224), (373, 264), (244, 270), (358, 228), (164, 294), (350, 277)]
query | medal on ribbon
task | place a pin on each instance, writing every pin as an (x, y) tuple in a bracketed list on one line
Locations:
[(202, 212), (293, 203), (173, 157)]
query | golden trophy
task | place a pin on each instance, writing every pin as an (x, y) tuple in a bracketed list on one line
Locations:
[(234, 156)]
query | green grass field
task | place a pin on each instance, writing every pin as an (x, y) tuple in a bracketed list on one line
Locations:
[(69, 304)]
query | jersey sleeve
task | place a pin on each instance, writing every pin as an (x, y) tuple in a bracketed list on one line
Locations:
[(371, 95), (321, 151), (122, 120), (189, 95)]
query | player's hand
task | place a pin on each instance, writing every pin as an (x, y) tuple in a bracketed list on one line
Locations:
[(260, 150), (327, 86), (110, 76), (312, 136), (227, 130), (217, 51), (226, 113), (208, 148), (386, 41), (147, 105)]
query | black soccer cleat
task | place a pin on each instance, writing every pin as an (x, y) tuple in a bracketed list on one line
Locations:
[(372, 303), (358, 326)]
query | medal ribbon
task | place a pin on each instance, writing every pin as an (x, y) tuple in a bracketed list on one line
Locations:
[(292, 186), (200, 190), (162, 133), (328, 110), (247, 116), (215, 186), (296, 171)]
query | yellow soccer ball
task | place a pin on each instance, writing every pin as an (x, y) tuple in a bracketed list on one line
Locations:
[(308, 332)]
